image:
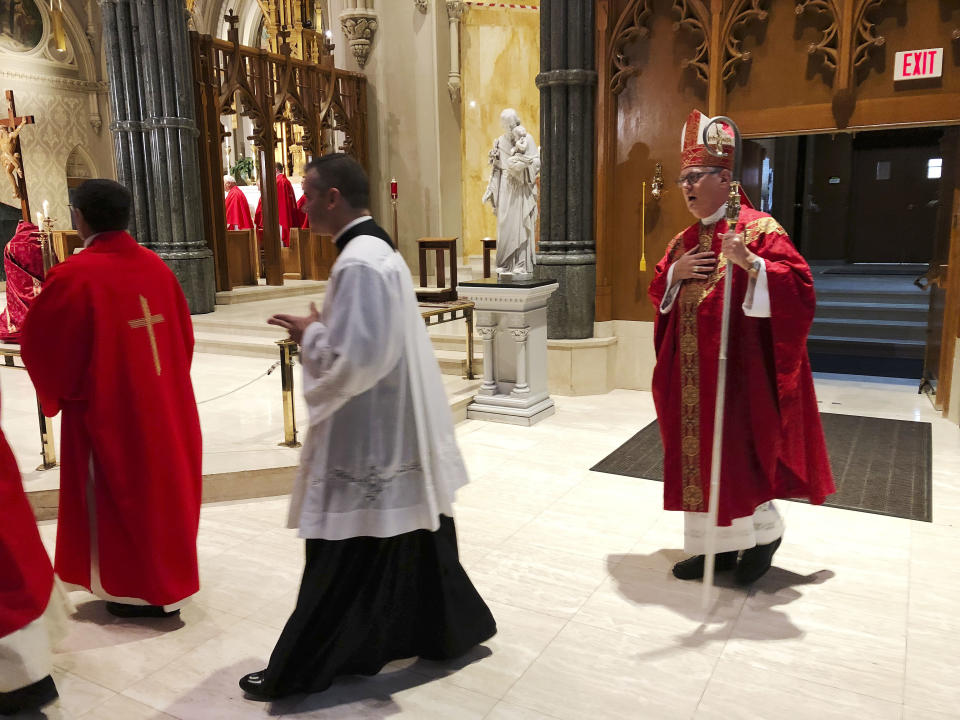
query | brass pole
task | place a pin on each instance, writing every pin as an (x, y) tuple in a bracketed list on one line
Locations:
[(48, 448), (468, 315), (287, 350)]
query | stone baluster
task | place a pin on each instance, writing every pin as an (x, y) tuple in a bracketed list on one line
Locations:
[(486, 333), (520, 336)]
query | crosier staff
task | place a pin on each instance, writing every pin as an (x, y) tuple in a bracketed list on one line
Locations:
[(733, 213)]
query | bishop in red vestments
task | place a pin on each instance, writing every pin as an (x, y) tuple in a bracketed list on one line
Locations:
[(23, 264), (27, 600), (287, 210), (109, 343), (773, 444), (237, 209)]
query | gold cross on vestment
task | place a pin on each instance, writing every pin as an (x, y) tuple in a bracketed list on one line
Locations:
[(148, 321)]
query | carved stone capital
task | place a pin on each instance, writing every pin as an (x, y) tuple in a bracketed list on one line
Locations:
[(359, 27), (453, 87), (520, 333), (456, 9), (421, 5), (486, 332)]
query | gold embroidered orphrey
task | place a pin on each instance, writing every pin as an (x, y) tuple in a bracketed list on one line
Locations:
[(148, 321), (692, 293)]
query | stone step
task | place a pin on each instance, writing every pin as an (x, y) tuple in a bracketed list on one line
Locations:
[(890, 297), (837, 345), (451, 361), (870, 329), (871, 311), (256, 293)]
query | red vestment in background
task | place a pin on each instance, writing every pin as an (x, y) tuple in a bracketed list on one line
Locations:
[(238, 211), (26, 577), (109, 342), (304, 218), (773, 444), (286, 209), (23, 264)]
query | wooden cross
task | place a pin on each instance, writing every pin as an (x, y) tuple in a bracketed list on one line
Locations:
[(233, 35), (11, 159), (148, 321)]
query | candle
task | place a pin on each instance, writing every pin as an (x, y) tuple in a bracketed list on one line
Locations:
[(393, 189), (46, 209), (39, 219)]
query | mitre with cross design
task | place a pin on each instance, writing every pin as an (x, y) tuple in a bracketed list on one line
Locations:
[(693, 153)]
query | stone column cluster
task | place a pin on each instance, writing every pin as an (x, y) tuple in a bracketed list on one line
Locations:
[(155, 136), (567, 83)]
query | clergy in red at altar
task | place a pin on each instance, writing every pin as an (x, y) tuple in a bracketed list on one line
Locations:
[(109, 343), (287, 210), (238, 210), (23, 264), (773, 444), (32, 613)]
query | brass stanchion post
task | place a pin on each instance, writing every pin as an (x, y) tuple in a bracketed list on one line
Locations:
[(48, 448), (287, 350)]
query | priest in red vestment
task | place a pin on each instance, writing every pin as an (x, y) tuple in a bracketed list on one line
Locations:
[(287, 210), (773, 444), (238, 211), (109, 343), (23, 264), (304, 218), (31, 612)]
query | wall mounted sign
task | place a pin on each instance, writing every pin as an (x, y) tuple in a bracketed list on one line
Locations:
[(918, 64)]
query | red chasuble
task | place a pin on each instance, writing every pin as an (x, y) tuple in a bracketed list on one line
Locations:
[(773, 443), (109, 342), (286, 209), (26, 577), (238, 211), (23, 264)]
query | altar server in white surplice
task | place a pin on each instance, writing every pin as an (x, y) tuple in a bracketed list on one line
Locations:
[(379, 467)]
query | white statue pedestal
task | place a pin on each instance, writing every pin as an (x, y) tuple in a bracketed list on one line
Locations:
[(511, 320)]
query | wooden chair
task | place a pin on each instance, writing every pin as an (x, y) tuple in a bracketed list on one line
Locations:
[(64, 244), (316, 255), (443, 291), (489, 245), (291, 257)]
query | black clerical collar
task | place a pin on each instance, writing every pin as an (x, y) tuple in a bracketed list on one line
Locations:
[(366, 226)]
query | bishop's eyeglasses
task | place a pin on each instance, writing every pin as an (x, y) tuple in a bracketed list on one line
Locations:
[(692, 178)]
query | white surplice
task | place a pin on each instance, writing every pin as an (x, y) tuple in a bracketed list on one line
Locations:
[(380, 457)]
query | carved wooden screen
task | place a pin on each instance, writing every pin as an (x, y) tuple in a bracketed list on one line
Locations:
[(329, 104)]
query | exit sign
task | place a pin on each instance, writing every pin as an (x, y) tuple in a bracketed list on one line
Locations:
[(918, 64)]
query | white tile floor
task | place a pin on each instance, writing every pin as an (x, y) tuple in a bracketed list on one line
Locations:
[(858, 618)]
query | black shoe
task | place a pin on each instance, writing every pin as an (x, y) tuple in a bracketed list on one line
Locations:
[(692, 567), (755, 562), (252, 685), (32, 697), (139, 611)]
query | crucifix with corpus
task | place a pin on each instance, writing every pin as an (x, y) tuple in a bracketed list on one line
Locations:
[(10, 156)]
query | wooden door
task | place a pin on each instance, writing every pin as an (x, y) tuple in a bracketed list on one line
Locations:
[(894, 206), (943, 279)]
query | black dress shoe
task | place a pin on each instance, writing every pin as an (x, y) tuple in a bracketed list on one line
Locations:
[(692, 568), (252, 685), (137, 611), (755, 562), (31, 697)]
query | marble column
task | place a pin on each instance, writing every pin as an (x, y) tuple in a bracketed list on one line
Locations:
[(567, 83), (155, 136)]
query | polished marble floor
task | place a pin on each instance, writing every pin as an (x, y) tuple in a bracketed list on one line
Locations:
[(858, 618)]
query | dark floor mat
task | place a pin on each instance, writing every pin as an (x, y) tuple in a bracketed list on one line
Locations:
[(879, 465)]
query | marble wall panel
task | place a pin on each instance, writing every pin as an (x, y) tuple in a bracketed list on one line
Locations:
[(500, 60)]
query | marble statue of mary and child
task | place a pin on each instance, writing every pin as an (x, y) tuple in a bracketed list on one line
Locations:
[(512, 192)]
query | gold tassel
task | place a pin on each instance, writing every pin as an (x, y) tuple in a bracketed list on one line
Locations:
[(643, 228)]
